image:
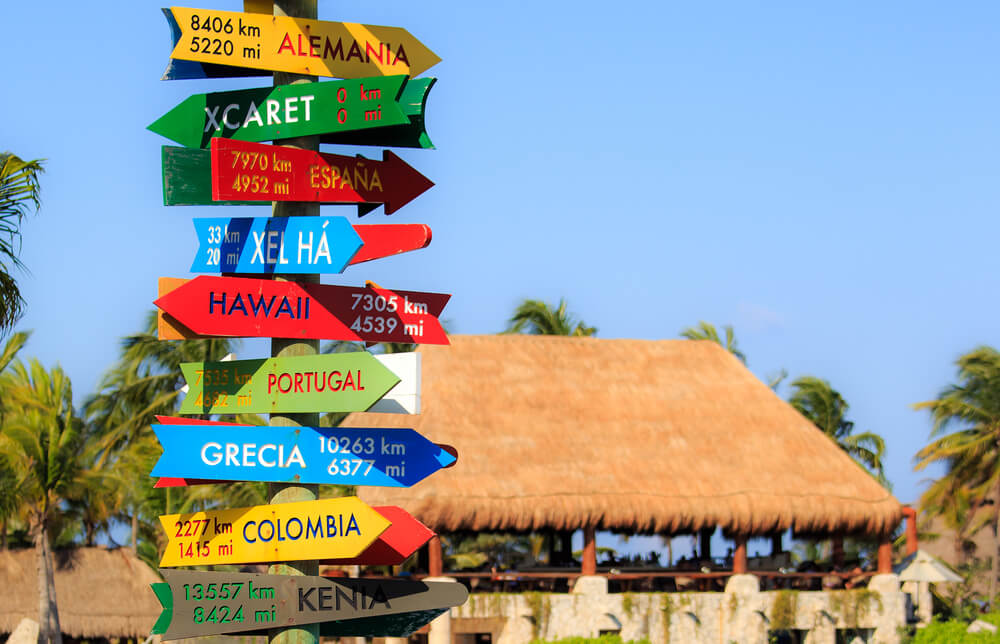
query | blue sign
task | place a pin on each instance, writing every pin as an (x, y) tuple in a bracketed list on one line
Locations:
[(343, 456), (274, 245)]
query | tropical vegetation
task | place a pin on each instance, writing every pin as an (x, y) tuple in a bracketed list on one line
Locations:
[(74, 477), (19, 194), (970, 453)]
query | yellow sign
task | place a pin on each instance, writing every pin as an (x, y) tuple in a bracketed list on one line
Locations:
[(297, 45), (323, 529)]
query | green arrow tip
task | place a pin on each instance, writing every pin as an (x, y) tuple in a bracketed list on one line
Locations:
[(166, 598)]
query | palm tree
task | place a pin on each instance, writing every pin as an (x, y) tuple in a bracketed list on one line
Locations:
[(707, 331), (145, 382), (41, 436), (826, 408), (10, 485), (538, 318), (18, 193), (972, 452)]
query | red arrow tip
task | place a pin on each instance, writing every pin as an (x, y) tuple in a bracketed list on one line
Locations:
[(406, 183)]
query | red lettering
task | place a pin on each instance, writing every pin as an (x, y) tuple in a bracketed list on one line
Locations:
[(369, 50), (314, 46), (334, 386), (301, 52), (298, 383), (286, 43), (320, 382), (271, 380), (349, 381), (287, 387)]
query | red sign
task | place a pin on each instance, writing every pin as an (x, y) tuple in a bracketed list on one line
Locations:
[(385, 240), (244, 171), (243, 307), (400, 540)]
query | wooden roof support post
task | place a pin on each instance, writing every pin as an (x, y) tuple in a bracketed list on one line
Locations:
[(565, 546), (837, 547), (911, 529), (740, 555), (435, 558), (885, 555), (705, 547), (776, 546), (589, 566)]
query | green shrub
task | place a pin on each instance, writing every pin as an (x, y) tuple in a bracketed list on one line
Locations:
[(953, 632), (603, 639)]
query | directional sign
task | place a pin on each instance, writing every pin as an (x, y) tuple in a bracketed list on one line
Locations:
[(199, 603), (255, 308), (187, 179), (316, 383), (357, 381), (404, 537), (400, 625), (288, 245), (244, 171), (285, 245), (286, 111), (385, 240), (295, 45), (380, 457), (323, 529)]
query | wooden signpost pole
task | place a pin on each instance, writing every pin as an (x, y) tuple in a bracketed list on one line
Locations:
[(280, 492)]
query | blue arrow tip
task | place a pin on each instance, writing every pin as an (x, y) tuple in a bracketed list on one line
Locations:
[(445, 458)]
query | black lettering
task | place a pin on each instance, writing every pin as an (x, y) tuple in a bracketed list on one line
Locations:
[(304, 600)]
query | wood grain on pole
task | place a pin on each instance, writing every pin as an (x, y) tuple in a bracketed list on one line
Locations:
[(281, 347)]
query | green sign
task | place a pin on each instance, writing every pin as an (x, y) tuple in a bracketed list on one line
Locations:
[(320, 383), (197, 603), (187, 179), (329, 108)]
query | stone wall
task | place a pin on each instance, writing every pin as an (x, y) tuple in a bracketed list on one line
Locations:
[(741, 614)]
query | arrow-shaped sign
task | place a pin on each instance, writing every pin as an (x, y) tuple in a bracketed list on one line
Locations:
[(318, 383), (295, 45), (380, 457), (405, 536), (256, 308), (288, 245), (197, 603), (245, 171), (322, 529), (386, 240), (187, 179), (400, 625), (362, 105)]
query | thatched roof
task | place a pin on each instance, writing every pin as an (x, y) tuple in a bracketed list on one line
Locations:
[(100, 593), (646, 436)]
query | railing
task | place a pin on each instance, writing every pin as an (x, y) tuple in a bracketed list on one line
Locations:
[(654, 580)]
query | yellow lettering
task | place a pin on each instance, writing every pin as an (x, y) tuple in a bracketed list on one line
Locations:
[(313, 183), (360, 177), (375, 181)]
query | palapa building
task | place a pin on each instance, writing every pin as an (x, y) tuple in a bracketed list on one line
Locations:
[(102, 594), (649, 437)]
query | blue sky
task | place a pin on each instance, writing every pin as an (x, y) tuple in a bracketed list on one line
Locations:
[(823, 177)]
